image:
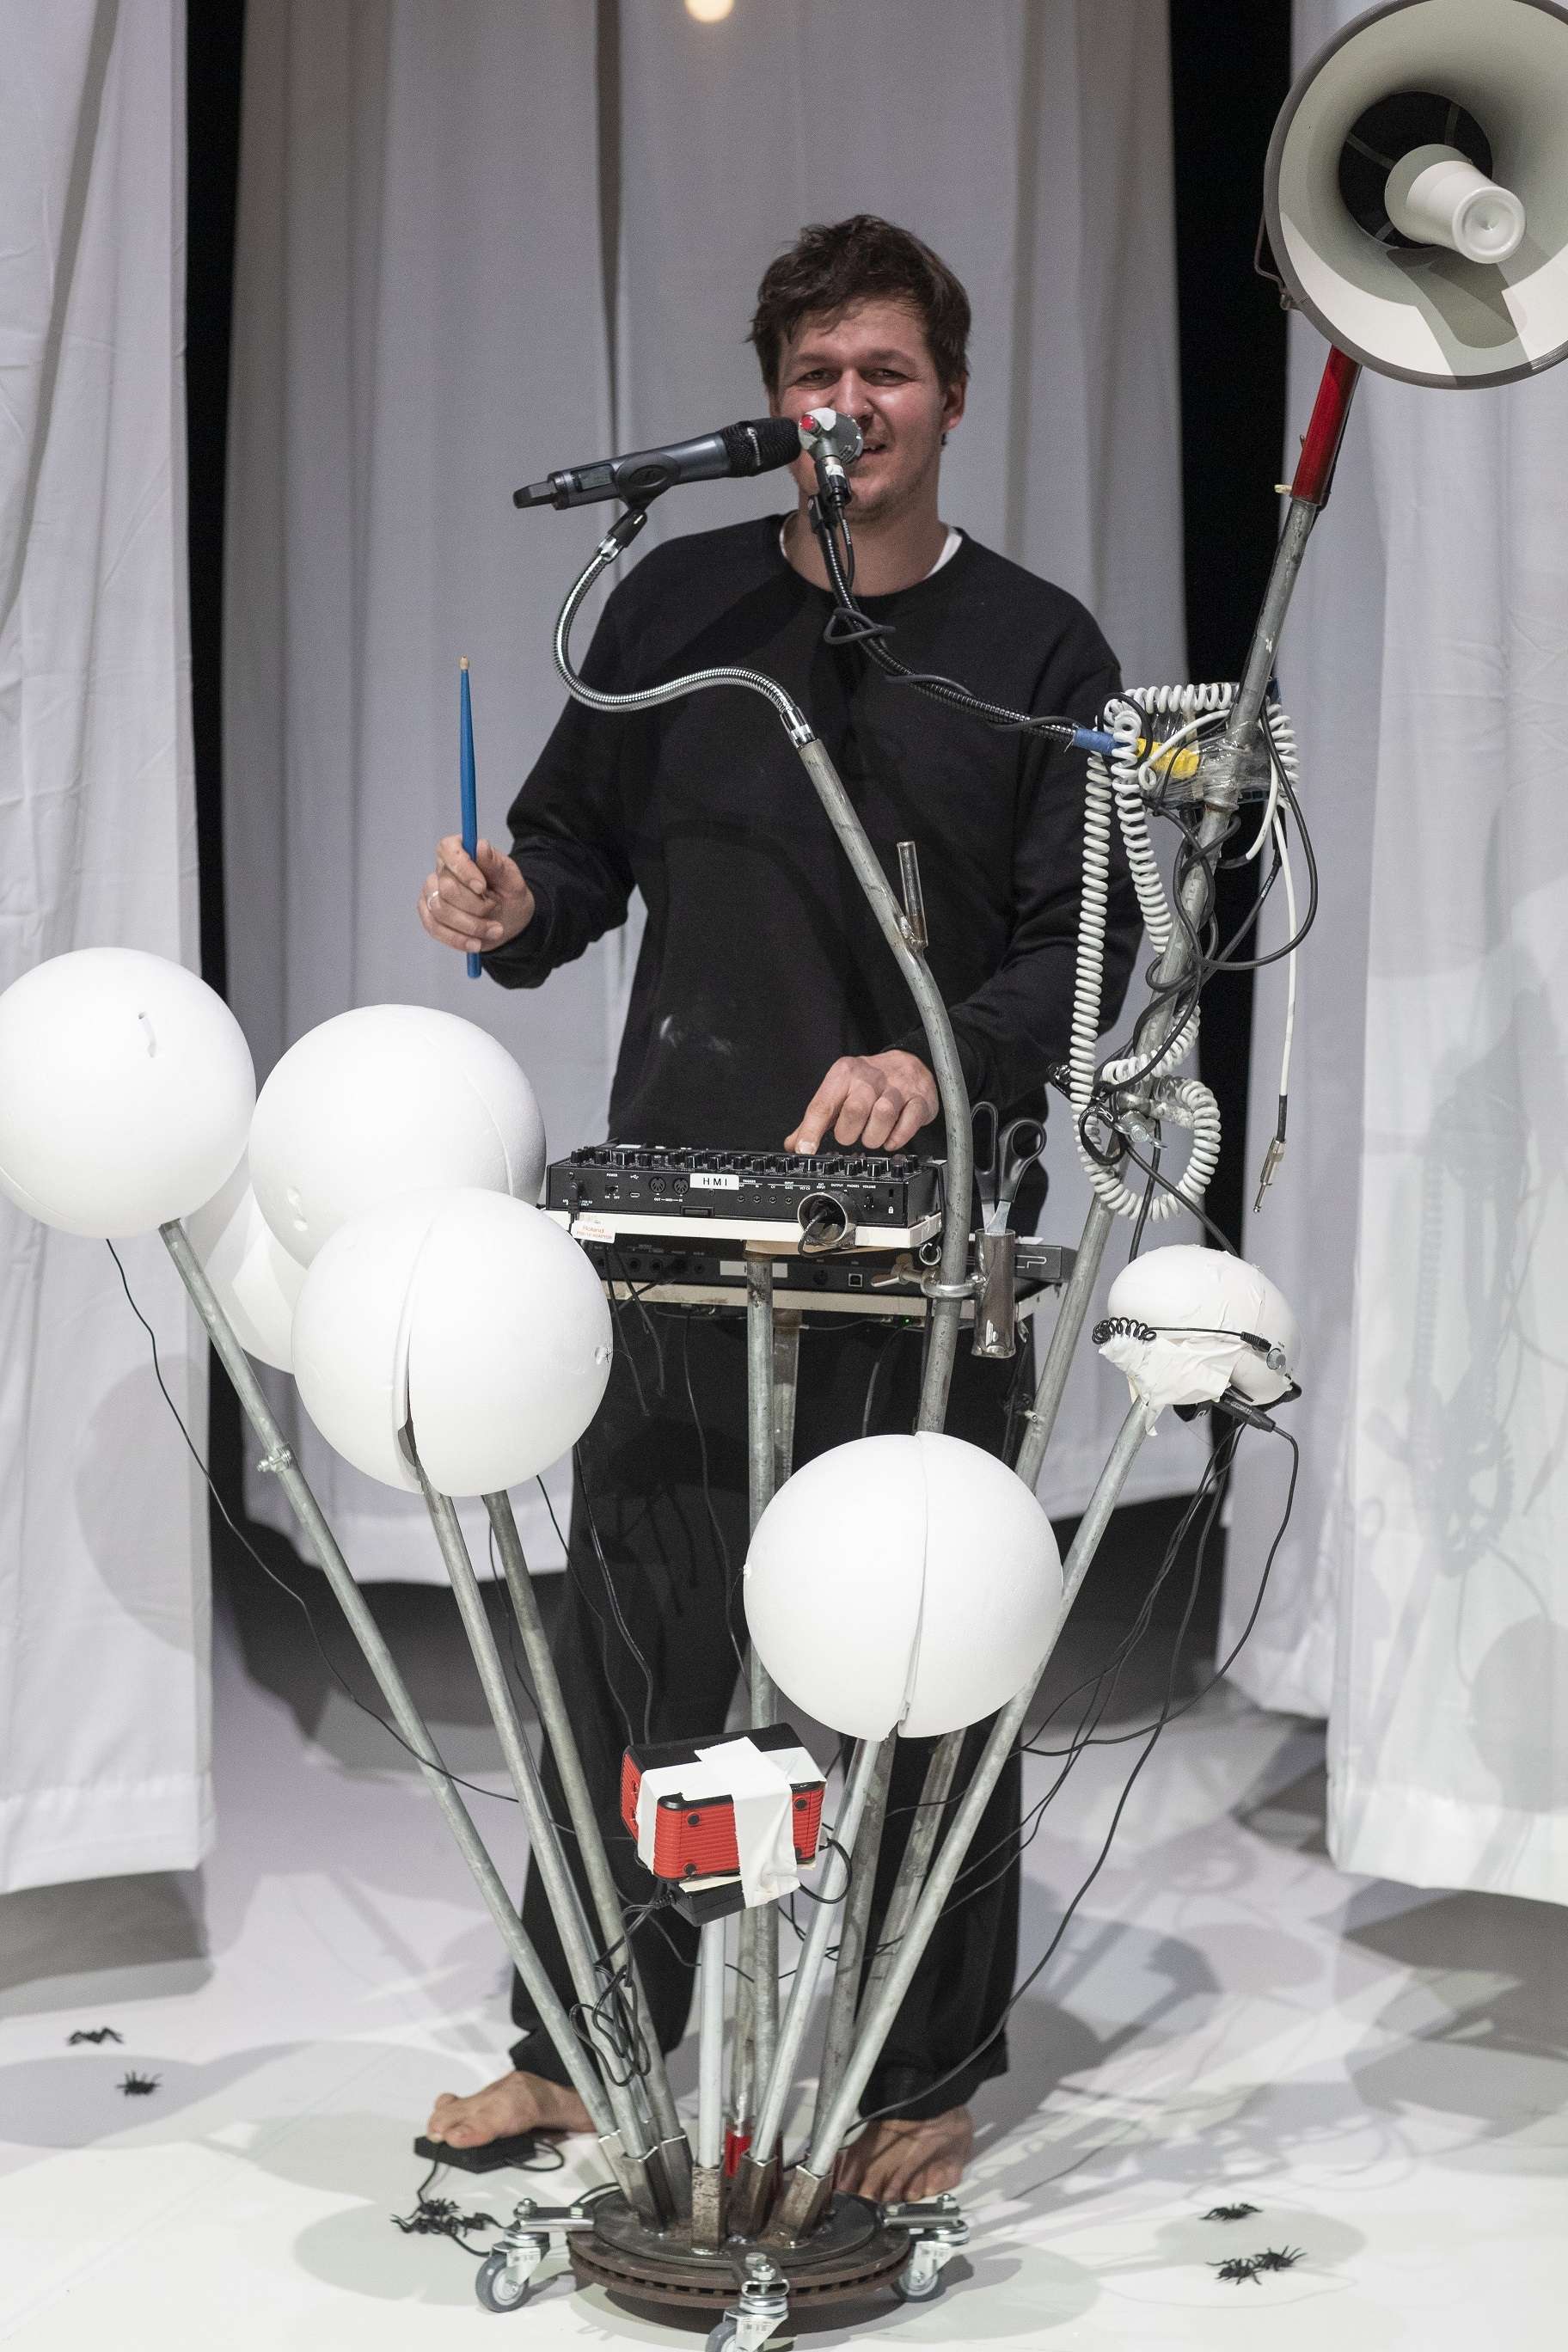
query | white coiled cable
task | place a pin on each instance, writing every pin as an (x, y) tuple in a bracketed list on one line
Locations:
[(1122, 783)]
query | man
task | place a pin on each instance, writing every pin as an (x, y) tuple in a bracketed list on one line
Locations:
[(766, 1006)]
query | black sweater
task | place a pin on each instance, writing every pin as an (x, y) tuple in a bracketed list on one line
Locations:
[(762, 962)]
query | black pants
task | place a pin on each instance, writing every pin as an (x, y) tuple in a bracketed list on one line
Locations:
[(664, 1469)]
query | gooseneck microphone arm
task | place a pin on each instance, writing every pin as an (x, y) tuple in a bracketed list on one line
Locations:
[(949, 1291)]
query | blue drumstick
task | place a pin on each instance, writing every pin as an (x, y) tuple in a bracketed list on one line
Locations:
[(468, 786)]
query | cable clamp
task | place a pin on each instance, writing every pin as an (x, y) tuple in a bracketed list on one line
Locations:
[(274, 1464)]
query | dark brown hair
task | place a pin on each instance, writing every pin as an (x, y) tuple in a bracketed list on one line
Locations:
[(832, 265)]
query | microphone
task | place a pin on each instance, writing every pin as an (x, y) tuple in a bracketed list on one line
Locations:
[(754, 448), (833, 442)]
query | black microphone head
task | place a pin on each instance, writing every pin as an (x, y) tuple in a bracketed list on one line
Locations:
[(761, 447)]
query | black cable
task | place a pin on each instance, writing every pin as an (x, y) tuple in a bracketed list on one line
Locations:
[(847, 625), (640, 1302), (440, 2217), (502, 1796), (611, 2030), (1148, 1189), (731, 1582), (1105, 1680), (890, 1341), (1166, 1716), (574, 1571)]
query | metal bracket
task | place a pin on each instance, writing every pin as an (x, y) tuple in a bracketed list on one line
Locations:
[(274, 1464), (762, 2307), (970, 1288), (525, 2240)]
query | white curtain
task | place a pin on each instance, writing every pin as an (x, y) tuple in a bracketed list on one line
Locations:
[(418, 328), (103, 1569), (1424, 1593), (422, 322)]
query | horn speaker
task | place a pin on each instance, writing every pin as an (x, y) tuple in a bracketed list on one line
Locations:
[(1417, 190)]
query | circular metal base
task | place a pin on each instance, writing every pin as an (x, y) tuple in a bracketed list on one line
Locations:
[(851, 2253)]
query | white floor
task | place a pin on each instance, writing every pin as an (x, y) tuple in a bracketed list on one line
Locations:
[(1382, 2072)]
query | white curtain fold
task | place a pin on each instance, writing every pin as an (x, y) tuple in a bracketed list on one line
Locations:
[(1423, 1592), (421, 323), (418, 328), (104, 1683)]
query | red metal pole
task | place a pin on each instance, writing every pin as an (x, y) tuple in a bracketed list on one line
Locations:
[(1320, 442)]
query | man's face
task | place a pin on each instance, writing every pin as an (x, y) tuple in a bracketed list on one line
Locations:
[(872, 362)]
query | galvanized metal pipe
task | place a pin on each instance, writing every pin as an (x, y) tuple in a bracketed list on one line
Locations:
[(711, 2046), (804, 2194), (897, 930), (809, 1967), (410, 1724), (854, 1925), (1071, 1315), (924, 1831), (556, 1725), (763, 1941), (623, 2090)]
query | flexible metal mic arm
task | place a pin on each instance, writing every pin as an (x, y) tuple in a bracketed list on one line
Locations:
[(895, 923)]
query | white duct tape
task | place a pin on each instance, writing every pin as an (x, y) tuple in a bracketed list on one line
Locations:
[(761, 1785)]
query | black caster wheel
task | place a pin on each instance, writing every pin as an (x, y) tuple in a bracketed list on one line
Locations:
[(907, 2291), (495, 2290)]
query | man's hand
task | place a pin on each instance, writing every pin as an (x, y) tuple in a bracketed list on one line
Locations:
[(474, 903), (881, 1100)]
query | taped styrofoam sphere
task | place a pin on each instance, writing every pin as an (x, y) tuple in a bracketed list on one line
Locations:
[(387, 1099), (256, 1281), (466, 1316), (126, 1088), (1192, 1300), (909, 1583)]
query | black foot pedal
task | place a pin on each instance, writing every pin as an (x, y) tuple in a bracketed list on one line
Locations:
[(528, 2151)]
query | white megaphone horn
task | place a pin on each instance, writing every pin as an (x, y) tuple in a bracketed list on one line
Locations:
[(1416, 198), (1417, 190)]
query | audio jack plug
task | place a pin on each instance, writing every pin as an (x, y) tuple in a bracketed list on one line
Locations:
[(1271, 1158)]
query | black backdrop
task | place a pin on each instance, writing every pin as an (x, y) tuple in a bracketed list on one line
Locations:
[(1230, 68)]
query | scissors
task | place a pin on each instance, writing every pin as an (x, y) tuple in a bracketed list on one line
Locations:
[(1000, 1156)]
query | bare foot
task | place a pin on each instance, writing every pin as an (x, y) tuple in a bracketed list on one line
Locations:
[(898, 2161), (516, 2103)]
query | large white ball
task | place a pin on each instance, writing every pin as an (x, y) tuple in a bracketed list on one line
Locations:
[(467, 1316), (257, 1283), (126, 1086), (388, 1100), (909, 1583)]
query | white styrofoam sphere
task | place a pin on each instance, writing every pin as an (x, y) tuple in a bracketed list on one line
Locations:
[(126, 1088), (258, 1284), (467, 1315), (387, 1099), (902, 1582), (1188, 1288)]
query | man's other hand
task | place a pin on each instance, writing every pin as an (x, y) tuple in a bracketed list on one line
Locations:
[(474, 903), (880, 1101)]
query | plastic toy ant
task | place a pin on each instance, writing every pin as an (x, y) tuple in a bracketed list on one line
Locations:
[(137, 2086), (96, 2033), (1229, 2212)]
